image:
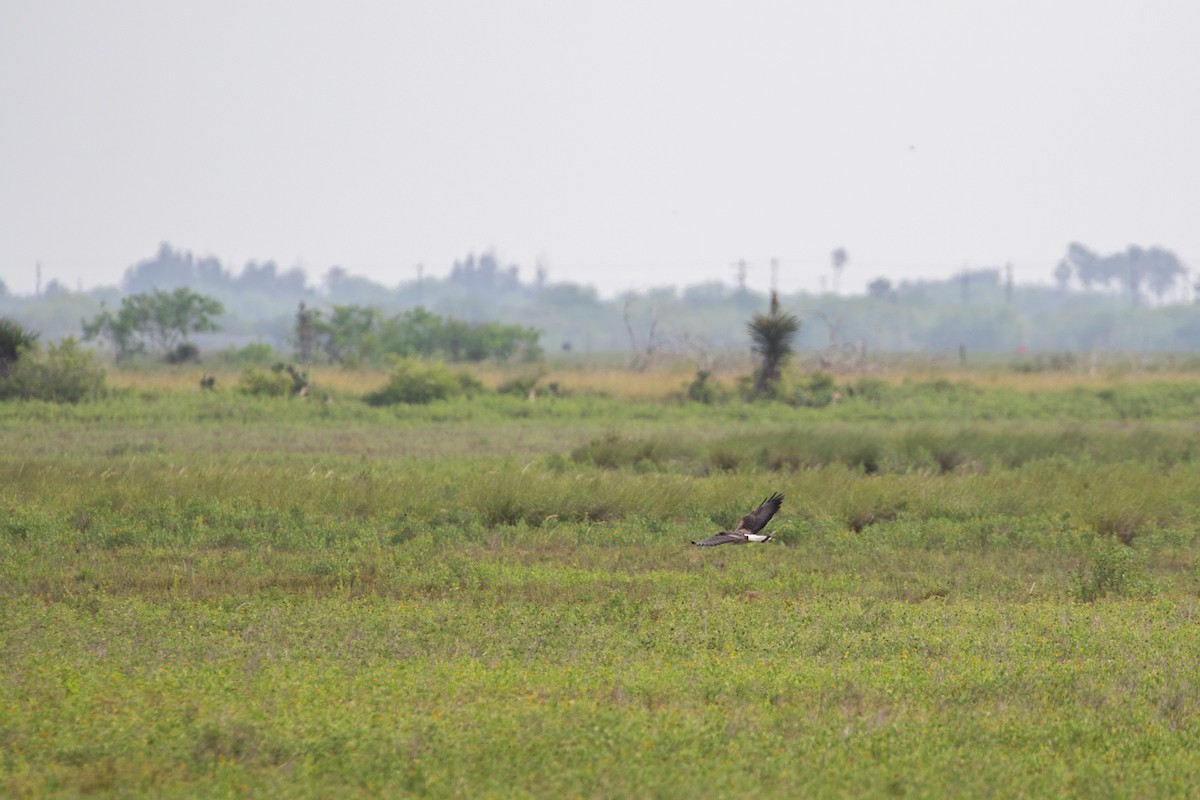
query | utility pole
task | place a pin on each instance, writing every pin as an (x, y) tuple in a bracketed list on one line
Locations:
[(742, 268), (420, 285)]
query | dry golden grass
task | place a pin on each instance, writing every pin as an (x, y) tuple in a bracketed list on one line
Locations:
[(670, 377), (172, 378), (1049, 381), (651, 384), (187, 377)]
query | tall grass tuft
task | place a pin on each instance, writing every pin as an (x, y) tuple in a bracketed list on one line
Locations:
[(1115, 571)]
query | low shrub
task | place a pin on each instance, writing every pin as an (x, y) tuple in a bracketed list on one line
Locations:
[(701, 391), (817, 392), (416, 382), (62, 373), (15, 341), (264, 382), (1116, 570), (281, 380)]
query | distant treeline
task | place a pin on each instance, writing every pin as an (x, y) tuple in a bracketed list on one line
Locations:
[(353, 335), (1137, 299)]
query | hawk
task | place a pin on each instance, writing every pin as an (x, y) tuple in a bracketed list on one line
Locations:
[(748, 529)]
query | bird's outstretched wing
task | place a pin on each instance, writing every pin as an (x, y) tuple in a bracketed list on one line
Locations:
[(757, 519), (724, 537)]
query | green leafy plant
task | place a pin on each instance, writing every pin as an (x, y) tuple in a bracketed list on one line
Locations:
[(354, 335), (417, 382), (62, 373), (15, 339), (159, 321), (1116, 570), (771, 335), (701, 391), (281, 380), (817, 392)]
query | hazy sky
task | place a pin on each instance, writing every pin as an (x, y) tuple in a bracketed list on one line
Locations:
[(624, 144)]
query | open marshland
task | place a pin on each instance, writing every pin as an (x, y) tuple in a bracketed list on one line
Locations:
[(982, 584)]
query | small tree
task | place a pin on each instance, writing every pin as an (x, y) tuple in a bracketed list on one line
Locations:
[(772, 336), (349, 334), (881, 289), (160, 320), (837, 260), (643, 355), (15, 339)]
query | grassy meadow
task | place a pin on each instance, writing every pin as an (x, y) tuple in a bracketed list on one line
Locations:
[(983, 583)]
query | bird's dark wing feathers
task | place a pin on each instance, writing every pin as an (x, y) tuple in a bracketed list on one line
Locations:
[(721, 538), (757, 519)]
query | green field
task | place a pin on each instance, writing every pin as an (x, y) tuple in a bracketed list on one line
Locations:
[(979, 587)]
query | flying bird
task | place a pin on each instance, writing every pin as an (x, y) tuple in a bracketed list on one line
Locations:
[(748, 529)]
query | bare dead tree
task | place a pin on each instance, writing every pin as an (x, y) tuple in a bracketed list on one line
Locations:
[(839, 355), (643, 354), (699, 349)]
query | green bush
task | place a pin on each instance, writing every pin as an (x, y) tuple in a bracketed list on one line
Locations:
[(62, 373), (817, 392), (416, 382), (265, 382), (282, 380), (15, 341), (701, 391), (353, 335), (779, 390), (1117, 570)]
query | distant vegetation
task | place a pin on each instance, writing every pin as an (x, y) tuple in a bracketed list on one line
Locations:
[(355, 335), (158, 321), (1133, 300)]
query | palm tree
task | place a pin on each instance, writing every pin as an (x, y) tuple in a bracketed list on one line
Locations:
[(838, 259), (772, 334), (14, 340)]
